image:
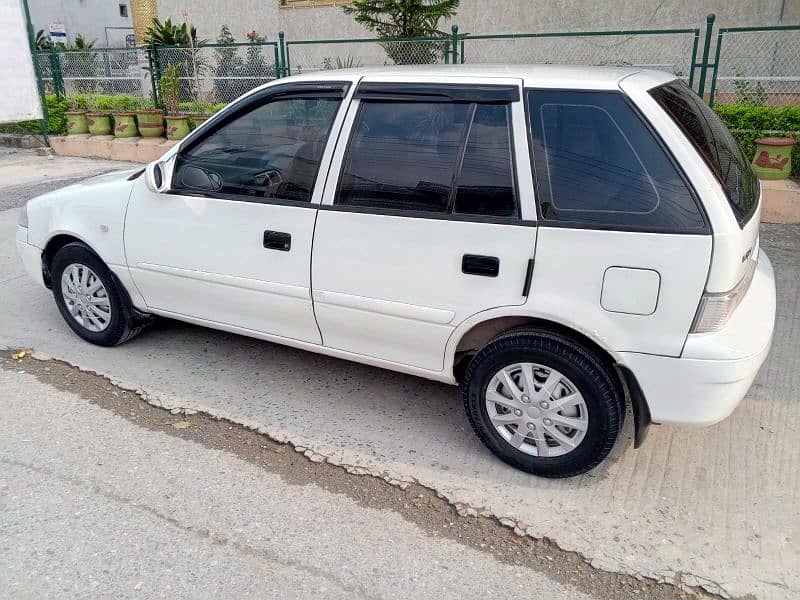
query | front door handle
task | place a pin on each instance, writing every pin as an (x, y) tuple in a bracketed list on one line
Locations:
[(278, 240), (475, 264)]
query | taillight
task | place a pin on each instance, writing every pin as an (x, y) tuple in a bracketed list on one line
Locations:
[(715, 309)]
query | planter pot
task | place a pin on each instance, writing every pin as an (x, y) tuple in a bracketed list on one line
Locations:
[(99, 123), (76, 122), (151, 123), (198, 120), (773, 159), (177, 127), (125, 125)]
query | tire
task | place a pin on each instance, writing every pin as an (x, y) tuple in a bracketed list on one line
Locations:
[(583, 408), (103, 331)]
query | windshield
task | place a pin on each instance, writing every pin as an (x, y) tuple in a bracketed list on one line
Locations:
[(714, 143)]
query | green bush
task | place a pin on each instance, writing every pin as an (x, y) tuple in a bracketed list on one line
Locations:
[(56, 121), (748, 121), (215, 108)]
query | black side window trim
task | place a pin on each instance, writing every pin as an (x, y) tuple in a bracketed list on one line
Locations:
[(311, 90), (308, 90), (563, 224), (437, 92), (449, 214)]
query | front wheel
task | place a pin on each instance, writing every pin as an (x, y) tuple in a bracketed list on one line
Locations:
[(88, 297), (543, 403)]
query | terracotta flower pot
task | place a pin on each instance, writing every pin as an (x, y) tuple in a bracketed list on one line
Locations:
[(151, 122), (76, 122), (125, 124), (177, 127), (99, 123), (773, 159)]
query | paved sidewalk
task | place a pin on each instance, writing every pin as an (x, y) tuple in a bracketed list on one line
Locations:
[(714, 507)]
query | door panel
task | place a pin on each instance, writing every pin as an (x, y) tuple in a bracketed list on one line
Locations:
[(393, 287), (417, 185), (205, 257)]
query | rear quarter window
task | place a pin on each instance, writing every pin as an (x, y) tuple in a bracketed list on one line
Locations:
[(598, 165), (715, 144)]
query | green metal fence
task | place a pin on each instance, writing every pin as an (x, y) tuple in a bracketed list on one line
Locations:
[(304, 56), (760, 63), (672, 50)]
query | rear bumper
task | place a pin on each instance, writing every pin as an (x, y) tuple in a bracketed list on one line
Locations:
[(30, 255), (715, 370)]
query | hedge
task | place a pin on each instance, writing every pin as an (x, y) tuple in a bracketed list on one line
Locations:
[(748, 121), (56, 121)]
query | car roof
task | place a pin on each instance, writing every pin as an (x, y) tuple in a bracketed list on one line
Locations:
[(547, 76)]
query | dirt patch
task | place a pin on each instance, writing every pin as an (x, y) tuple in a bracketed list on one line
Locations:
[(416, 504)]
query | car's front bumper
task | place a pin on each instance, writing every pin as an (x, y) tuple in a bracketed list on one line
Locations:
[(31, 256), (715, 370)]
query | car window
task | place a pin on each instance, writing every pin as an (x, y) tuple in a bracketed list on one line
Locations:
[(434, 157), (598, 164), (272, 151), (403, 155), (486, 181), (716, 145)]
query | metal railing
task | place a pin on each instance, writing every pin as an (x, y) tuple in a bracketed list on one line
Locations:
[(303, 56), (757, 64), (672, 50)]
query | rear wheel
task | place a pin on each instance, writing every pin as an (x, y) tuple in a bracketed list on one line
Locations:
[(543, 403), (88, 296)]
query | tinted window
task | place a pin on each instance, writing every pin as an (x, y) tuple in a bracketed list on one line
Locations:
[(272, 151), (403, 155), (597, 164), (486, 181), (714, 143)]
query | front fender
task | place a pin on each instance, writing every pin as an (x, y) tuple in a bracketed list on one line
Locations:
[(92, 211)]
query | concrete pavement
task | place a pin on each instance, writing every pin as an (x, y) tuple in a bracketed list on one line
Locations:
[(709, 507), (93, 506)]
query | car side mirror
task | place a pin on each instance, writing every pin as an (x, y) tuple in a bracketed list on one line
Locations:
[(156, 176)]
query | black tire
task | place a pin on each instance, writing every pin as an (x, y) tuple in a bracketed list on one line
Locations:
[(593, 379), (118, 329)]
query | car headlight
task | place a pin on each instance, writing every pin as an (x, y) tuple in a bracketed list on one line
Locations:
[(715, 309), (23, 217)]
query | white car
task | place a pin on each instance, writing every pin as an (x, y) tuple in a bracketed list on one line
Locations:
[(562, 242)]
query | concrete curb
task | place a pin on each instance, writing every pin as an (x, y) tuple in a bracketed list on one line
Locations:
[(134, 149)]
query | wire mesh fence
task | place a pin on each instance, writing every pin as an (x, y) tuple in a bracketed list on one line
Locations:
[(760, 65), (96, 71), (319, 55), (220, 72), (757, 64), (673, 51)]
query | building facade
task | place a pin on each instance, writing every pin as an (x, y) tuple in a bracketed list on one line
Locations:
[(324, 19), (105, 22)]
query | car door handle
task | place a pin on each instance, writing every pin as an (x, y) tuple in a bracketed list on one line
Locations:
[(475, 264), (278, 240)]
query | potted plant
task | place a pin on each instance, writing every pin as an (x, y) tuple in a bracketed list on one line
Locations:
[(170, 84), (198, 111), (99, 116), (150, 119), (124, 113), (76, 115)]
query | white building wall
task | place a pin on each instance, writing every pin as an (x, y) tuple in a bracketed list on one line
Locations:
[(96, 20)]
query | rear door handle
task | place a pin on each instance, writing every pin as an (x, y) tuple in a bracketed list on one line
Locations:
[(278, 240), (475, 264)]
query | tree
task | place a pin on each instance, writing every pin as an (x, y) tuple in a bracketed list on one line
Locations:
[(406, 18)]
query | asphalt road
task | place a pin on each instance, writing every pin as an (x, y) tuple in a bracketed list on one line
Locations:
[(713, 507)]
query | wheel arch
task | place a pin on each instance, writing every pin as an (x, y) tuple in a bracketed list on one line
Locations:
[(53, 244), (479, 330)]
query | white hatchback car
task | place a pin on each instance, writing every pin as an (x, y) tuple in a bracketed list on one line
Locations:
[(560, 241)]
